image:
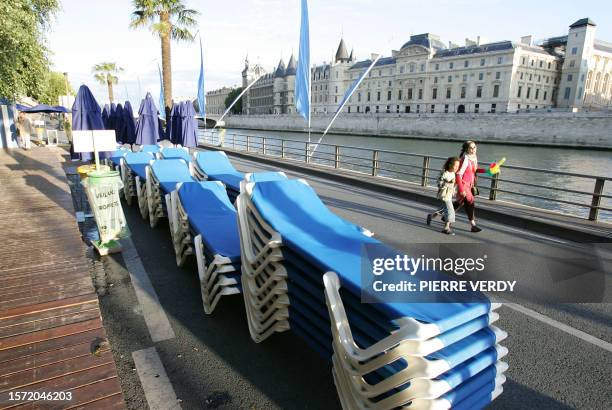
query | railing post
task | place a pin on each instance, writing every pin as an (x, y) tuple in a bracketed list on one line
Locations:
[(596, 201), (307, 153), (283, 149), (494, 186), (337, 157), (234, 141), (374, 163), (425, 173), (263, 143), (248, 143)]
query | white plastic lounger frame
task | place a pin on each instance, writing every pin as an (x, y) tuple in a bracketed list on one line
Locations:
[(141, 193), (129, 183), (180, 228), (154, 197)]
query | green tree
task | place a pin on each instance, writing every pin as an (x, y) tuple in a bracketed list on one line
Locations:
[(55, 85), (105, 74), (170, 20), (23, 53), (237, 108)]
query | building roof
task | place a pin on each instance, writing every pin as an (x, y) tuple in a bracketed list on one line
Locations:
[(475, 49), (342, 53), (425, 40), (603, 46), (291, 66), (555, 41), (366, 63), (280, 70), (351, 57), (583, 22)]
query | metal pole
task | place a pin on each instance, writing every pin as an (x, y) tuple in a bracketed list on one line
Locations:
[(306, 152), (494, 186), (374, 163), (425, 171), (248, 142), (337, 158), (263, 143), (597, 192), (282, 148)]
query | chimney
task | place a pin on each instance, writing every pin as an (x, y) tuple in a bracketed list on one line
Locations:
[(527, 40), (469, 42), (478, 40)]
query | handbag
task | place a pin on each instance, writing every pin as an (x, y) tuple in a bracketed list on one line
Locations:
[(475, 191)]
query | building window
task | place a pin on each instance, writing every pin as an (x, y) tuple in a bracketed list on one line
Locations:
[(388, 110), (450, 78), (418, 108), (378, 96), (464, 77), (530, 77), (446, 108), (579, 93), (434, 93), (451, 65), (420, 93), (389, 95), (528, 92), (549, 65), (570, 77), (572, 63), (336, 89), (479, 91), (520, 90), (435, 80), (532, 62), (480, 76), (568, 90), (402, 69), (437, 66), (544, 98), (521, 76), (412, 68), (335, 98), (476, 108), (496, 91), (422, 67), (433, 108), (399, 95), (359, 97), (448, 93), (379, 73), (482, 62), (377, 109), (389, 83), (462, 92), (497, 75), (541, 64), (367, 109), (410, 93), (369, 96), (537, 94), (358, 109), (493, 107), (466, 63), (397, 109), (574, 51), (349, 109), (523, 61), (500, 60), (407, 109)]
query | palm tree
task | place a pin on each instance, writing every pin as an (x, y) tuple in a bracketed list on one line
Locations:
[(105, 74), (170, 20)]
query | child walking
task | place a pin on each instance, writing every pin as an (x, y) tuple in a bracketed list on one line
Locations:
[(446, 193)]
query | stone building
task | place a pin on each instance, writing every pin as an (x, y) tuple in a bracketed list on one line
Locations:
[(215, 101), (427, 75)]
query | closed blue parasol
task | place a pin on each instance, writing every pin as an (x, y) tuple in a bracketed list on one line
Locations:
[(86, 115), (111, 117), (119, 124), (106, 115), (189, 126), (148, 126), (172, 123), (129, 126)]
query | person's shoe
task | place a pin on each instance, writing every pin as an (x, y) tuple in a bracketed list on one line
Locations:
[(443, 218), (448, 231), (429, 218), (475, 229)]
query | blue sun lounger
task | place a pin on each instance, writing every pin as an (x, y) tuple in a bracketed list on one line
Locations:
[(162, 175), (174, 153), (133, 165), (216, 166), (150, 148), (385, 355)]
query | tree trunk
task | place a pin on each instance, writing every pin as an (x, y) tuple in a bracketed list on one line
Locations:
[(110, 90), (166, 64)]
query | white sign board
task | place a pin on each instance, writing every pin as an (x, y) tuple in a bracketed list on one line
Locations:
[(101, 140)]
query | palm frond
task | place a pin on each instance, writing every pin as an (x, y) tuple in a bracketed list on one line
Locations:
[(181, 34), (101, 78)]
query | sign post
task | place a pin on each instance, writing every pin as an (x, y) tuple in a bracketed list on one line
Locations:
[(102, 187)]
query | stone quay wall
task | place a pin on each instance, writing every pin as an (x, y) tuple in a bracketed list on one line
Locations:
[(584, 130)]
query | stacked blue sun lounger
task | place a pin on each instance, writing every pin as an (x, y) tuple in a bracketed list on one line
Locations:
[(162, 176), (216, 166), (149, 148), (174, 153), (301, 270), (115, 158), (133, 172)]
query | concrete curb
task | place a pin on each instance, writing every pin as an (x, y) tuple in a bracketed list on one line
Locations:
[(540, 221)]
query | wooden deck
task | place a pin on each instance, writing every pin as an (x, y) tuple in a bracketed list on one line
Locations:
[(51, 333)]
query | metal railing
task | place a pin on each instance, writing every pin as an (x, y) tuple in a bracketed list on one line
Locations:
[(540, 188)]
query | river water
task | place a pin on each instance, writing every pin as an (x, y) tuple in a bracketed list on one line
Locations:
[(409, 168)]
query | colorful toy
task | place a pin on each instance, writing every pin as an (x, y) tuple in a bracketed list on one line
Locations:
[(494, 167)]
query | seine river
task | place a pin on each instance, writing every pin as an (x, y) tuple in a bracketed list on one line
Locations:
[(577, 161)]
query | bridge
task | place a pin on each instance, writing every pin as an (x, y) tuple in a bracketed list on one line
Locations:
[(560, 354)]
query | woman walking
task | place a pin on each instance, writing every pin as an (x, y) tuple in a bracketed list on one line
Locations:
[(466, 182), (24, 126)]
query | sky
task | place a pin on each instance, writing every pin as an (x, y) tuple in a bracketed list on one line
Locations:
[(88, 32)]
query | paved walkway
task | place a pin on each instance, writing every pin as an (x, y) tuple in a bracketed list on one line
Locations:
[(51, 333)]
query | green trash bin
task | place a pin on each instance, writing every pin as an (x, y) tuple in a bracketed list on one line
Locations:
[(103, 189)]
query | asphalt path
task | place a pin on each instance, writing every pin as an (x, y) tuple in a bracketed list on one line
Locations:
[(213, 363)]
